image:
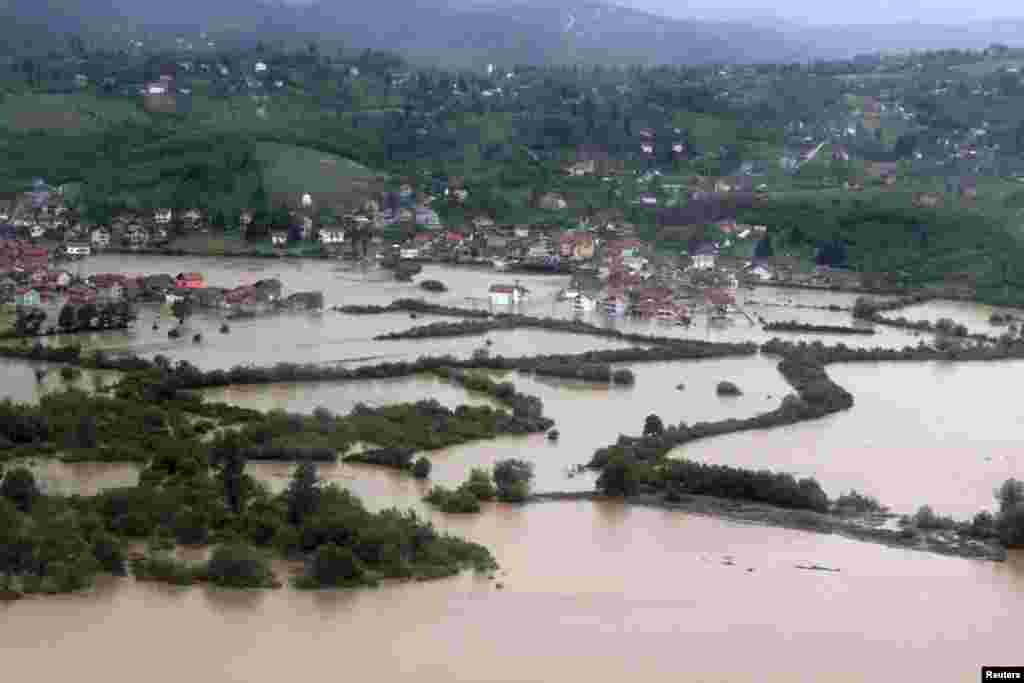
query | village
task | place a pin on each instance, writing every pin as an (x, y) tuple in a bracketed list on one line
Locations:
[(614, 271)]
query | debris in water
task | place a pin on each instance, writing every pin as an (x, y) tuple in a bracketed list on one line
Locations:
[(816, 567)]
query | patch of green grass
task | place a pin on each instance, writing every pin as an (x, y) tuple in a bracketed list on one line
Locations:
[(69, 114), (295, 170)]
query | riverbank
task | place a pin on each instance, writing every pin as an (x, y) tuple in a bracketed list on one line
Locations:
[(794, 326), (867, 528)]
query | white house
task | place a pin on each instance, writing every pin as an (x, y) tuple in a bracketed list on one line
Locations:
[(278, 238), (760, 271), (100, 238), (307, 201), (156, 89), (77, 249), (36, 231), (162, 216), (137, 235), (583, 303), (332, 235), (503, 295), (704, 258), (192, 217), (260, 67), (409, 252)]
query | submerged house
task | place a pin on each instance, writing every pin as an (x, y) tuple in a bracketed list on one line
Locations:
[(504, 295)]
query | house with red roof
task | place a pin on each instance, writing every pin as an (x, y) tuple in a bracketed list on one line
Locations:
[(27, 296), (80, 295), (190, 281), (576, 245)]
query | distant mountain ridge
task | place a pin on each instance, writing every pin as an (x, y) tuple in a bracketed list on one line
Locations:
[(476, 32)]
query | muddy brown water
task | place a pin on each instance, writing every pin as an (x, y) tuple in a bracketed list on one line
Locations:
[(592, 591)]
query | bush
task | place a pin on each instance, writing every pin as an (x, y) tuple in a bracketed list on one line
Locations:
[(239, 566), (621, 477), (653, 426), (513, 478), (191, 527), (857, 503), (624, 376), (19, 486), (163, 568), (726, 388), (460, 501), (69, 373), (1011, 526), (109, 554), (433, 286), (421, 470), (480, 485), (333, 565), (926, 519)]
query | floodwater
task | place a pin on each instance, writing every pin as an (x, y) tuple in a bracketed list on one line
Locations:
[(21, 385), (333, 337), (592, 591), (595, 592), (587, 415), (919, 433)]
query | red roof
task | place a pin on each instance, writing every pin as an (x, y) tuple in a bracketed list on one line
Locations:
[(503, 289), (240, 294), (422, 238), (456, 237), (720, 297)]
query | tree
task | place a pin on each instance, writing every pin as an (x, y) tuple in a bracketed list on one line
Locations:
[(1011, 526), (479, 484), (512, 478), (86, 432), (87, 313), (334, 565), (236, 565), (303, 494), (66, 320), (19, 486), (1010, 495), (181, 309), (229, 455), (421, 470), (653, 426), (620, 477)]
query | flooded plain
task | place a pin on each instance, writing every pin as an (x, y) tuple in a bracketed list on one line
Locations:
[(591, 591), (595, 592)]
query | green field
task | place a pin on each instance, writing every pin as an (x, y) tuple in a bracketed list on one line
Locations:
[(292, 170), (71, 114)]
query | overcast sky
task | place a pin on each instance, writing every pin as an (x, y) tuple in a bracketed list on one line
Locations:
[(851, 12)]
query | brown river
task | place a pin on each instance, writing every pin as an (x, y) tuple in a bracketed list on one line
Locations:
[(592, 591)]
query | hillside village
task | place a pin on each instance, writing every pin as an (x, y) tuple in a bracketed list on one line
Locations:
[(740, 171)]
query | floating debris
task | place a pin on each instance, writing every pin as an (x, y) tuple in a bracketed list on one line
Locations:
[(816, 567), (224, 328), (553, 435), (197, 337)]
